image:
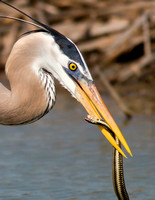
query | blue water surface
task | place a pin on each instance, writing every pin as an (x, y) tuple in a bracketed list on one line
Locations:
[(62, 157)]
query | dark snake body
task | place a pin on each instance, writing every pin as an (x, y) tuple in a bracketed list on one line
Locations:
[(117, 162), (118, 174)]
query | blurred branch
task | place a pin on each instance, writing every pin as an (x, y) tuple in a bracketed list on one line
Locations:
[(105, 32), (113, 93)]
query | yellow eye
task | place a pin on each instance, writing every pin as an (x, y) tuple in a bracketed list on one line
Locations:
[(72, 66)]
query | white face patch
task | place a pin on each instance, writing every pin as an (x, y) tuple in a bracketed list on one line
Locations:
[(51, 56)]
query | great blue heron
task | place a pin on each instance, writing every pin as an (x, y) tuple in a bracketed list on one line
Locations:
[(35, 60)]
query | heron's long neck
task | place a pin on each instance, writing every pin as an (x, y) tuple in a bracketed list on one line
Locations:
[(28, 98), (25, 102)]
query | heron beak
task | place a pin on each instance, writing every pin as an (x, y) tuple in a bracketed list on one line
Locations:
[(90, 98)]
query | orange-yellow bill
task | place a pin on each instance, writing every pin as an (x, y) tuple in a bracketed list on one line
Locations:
[(90, 98)]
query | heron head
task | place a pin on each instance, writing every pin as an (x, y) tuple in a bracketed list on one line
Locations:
[(70, 68), (61, 57)]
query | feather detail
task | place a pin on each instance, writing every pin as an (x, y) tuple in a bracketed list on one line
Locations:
[(48, 82)]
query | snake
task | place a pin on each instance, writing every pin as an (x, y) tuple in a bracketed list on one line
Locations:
[(117, 161)]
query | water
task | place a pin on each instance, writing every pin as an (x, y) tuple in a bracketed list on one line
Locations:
[(61, 157)]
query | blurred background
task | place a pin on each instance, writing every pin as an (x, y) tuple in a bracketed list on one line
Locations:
[(61, 156), (116, 39)]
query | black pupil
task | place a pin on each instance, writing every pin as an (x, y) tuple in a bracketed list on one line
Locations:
[(73, 66)]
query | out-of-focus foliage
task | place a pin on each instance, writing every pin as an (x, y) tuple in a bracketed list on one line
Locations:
[(116, 36)]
